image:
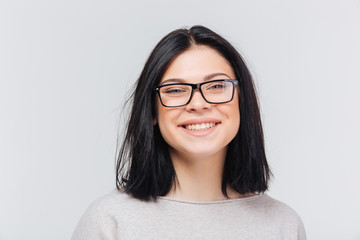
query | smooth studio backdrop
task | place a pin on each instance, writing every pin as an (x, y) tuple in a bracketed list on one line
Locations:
[(66, 68)]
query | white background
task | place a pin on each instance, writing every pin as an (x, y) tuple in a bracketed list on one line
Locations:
[(66, 68)]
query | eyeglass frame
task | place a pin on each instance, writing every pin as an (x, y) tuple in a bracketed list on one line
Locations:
[(195, 86)]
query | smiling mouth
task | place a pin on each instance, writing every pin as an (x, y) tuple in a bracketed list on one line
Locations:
[(200, 126)]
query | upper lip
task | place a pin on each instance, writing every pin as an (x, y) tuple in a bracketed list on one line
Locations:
[(199, 121)]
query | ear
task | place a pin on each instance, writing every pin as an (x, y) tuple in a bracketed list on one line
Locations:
[(154, 121)]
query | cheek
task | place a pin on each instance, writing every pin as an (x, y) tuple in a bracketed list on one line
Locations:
[(234, 113), (235, 117), (237, 121), (166, 119), (160, 114)]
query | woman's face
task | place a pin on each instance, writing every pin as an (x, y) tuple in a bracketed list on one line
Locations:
[(220, 121)]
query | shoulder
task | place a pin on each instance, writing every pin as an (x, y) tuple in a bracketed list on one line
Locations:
[(105, 205), (100, 220), (111, 200), (281, 215), (272, 204)]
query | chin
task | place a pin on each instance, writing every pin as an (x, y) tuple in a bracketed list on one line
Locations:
[(207, 151)]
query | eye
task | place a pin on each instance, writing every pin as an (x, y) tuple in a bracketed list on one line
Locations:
[(216, 86), (174, 90)]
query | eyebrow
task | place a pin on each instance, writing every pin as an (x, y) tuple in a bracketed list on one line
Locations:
[(206, 78)]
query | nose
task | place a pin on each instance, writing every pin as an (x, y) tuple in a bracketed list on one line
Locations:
[(197, 102)]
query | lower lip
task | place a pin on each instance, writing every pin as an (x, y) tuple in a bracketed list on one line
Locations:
[(200, 133)]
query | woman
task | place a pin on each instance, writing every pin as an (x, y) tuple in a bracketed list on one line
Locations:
[(193, 164)]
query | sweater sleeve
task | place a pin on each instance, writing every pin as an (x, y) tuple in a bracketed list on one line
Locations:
[(96, 223), (301, 230)]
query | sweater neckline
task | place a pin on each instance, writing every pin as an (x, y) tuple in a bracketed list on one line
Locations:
[(244, 199)]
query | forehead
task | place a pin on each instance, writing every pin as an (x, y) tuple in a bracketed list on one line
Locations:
[(196, 63)]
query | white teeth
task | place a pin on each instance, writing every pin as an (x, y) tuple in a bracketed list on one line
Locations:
[(199, 127)]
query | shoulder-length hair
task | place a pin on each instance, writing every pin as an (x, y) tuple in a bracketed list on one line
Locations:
[(144, 168)]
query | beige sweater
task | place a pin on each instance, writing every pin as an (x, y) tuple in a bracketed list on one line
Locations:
[(119, 216)]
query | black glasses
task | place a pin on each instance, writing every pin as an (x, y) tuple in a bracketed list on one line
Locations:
[(180, 94)]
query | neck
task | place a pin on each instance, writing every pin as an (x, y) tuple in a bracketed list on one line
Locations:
[(199, 178)]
